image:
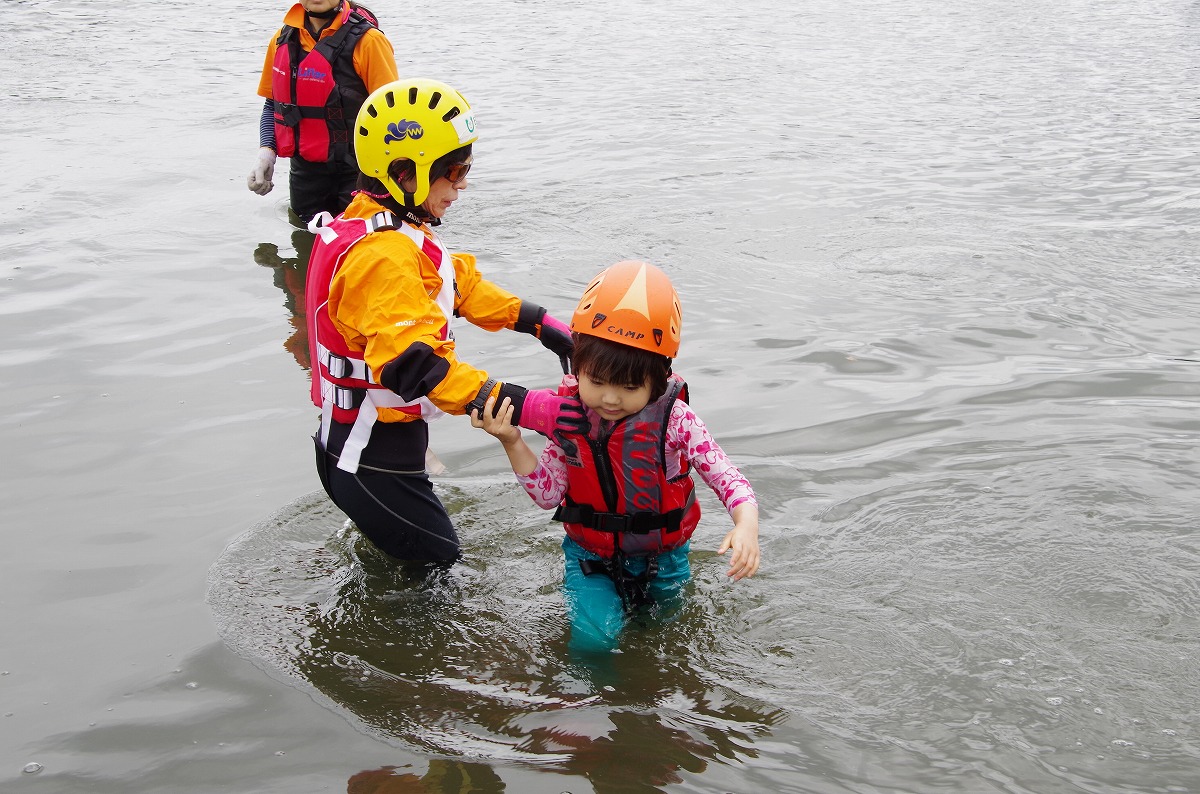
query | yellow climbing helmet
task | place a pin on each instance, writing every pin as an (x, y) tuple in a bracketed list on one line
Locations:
[(415, 119)]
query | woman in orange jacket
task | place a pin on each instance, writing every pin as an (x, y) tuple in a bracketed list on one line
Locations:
[(381, 292)]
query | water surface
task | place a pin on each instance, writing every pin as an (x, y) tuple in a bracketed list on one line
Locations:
[(939, 275)]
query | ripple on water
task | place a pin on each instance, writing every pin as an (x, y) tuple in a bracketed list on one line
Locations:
[(1016, 598), (473, 661)]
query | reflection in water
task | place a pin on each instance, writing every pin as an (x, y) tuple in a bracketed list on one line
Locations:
[(289, 274), (442, 776), (473, 660)]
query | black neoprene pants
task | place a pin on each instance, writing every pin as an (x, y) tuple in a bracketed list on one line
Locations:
[(396, 510), (317, 187)]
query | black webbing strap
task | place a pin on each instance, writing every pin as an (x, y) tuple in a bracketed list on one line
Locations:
[(637, 523)]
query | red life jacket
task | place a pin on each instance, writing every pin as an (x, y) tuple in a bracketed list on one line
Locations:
[(617, 486), (343, 386), (317, 94)]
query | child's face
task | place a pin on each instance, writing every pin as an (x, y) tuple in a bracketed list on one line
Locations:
[(612, 401)]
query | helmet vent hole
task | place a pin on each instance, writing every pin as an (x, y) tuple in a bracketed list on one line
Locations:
[(433, 100), (391, 99), (363, 132), (451, 113), (412, 95), (372, 112)]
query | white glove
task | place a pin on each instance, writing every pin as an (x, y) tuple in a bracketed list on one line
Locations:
[(260, 178)]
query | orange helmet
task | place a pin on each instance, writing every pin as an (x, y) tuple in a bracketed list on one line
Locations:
[(631, 303)]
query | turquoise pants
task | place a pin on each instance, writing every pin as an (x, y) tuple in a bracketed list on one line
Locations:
[(593, 604)]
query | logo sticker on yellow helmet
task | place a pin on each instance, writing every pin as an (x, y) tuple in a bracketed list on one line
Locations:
[(399, 130), (464, 125)]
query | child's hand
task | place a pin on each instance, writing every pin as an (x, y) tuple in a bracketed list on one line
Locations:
[(497, 423), (743, 539)]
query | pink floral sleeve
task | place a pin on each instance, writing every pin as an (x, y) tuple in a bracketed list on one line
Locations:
[(547, 484), (688, 436)]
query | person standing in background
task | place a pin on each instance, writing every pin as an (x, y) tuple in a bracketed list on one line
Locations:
[(320, 66)]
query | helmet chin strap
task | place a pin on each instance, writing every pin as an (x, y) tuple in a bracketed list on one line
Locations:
[(414, 215)]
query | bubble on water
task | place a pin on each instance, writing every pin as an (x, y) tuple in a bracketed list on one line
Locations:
[(192, 685), (1122, 743), (32, 768), (280, 752), (1006, 662), (1055, 701), (1098, 710), (1168, 732)]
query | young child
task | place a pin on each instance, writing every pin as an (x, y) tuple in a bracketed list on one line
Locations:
[(623, 491)]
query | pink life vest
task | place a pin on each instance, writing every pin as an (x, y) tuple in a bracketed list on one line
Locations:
[(617, 485), (317, 94), (343, 386)]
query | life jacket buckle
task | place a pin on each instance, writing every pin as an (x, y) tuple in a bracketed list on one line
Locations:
[(339, 366), (348, 399), (613, 522), (289, 113)]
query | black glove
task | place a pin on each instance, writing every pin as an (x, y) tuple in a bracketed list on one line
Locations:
[(554, 335)]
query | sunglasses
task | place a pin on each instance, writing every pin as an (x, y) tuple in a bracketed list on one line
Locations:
[(457, 172)]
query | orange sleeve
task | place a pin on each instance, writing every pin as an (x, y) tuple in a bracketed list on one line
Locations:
[(480, 301), (382, 301), (374, 60), (264, 80)]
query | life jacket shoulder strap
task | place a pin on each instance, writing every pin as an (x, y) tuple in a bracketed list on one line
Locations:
[(360, 13), (383, 221)]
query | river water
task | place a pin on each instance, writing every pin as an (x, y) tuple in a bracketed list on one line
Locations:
[(938, 268)]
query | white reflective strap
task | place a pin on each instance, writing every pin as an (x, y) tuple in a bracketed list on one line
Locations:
[(360, 434), (326, 422), (384, 398), (319, 225)]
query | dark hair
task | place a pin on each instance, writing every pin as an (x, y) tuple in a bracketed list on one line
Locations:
[(402, 169), (613, 362), (441, 165)]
